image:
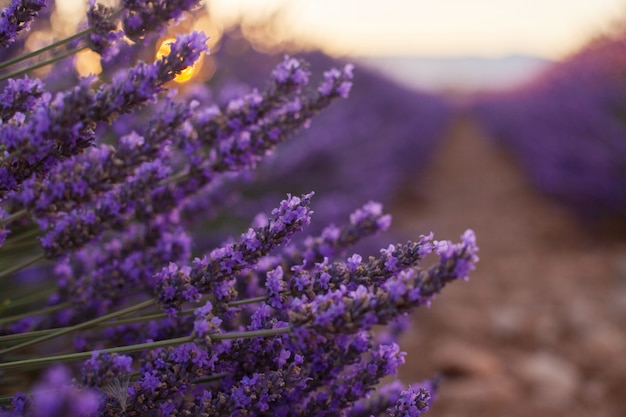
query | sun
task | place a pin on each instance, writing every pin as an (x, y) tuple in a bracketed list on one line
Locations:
[(186, 74)]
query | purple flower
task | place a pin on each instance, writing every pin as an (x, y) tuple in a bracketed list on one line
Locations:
[(354, 261), (104, 37), (142, 17), (257, 325), (215, 273), (19, 96), (291, 71), (55, 396), (366, 221), (4, 231), (96, 278), (17, 17), (73, 230), (102, 368), (337, 82), (63, 126), (204, 321), (360, 301), (275, 285), (413, 402), (354, 383)]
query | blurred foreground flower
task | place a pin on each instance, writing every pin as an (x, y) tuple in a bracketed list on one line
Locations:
[(105, 311)]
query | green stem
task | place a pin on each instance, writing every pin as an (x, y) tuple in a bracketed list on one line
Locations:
[(43, 63), (22, 236), (138, 347), (28, 299), (14, 216), (54, 45), (19, 246), (247, 301), (130, 320), (9, 304), (44, 49), (86, 355), (250, 333), (18, 267), (210, 378), (25, 335), (178, 176), (40, 312), (81, 326)]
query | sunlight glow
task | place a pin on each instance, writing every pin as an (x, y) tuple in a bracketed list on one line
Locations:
[(186, 74), (87, 62), (547, 28)]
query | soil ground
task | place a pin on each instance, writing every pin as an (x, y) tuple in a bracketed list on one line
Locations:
[(540, 328)]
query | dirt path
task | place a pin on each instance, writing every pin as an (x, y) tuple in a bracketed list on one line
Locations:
[(540, 330)]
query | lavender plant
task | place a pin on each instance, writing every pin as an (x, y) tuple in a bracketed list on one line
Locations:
[(105, 310), (383, 135)]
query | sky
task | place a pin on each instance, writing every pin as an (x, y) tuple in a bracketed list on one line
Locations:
[(546, 28)]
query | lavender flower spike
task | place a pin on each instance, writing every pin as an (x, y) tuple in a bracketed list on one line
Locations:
[(17, 17), (413, 402), (142, 17), (365, 221), (215, 273), (19, 96), (346, 310), (63, 126), (104, 37), (337, 82), (56, 396)]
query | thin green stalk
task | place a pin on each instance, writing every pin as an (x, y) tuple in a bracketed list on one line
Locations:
[(14, 216), (25, 335), (43, 63), (18, 267), (139, 347), (40, 312), (247, 301), (32, 232), (53, 45), (210, 378), (215, 377), (178, 176), (27, 299), (86, 355), (81, 326), (19, 246), (250, 333), (44, 49), (130, 320)]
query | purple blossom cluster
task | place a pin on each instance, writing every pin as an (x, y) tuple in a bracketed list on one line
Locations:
[(567, 130), (109, 305), (16, 17), (383, 135)]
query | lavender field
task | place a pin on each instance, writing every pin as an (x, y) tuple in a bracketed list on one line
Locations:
[(567, 129), (269, 236)]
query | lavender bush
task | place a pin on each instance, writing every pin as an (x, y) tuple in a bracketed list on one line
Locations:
[(568, 130), (383, 135), (105, 310)]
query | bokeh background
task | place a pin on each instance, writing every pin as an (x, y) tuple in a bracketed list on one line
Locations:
[(508, 117)]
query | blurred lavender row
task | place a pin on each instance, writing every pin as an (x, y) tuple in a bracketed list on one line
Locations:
[(567, 129)]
